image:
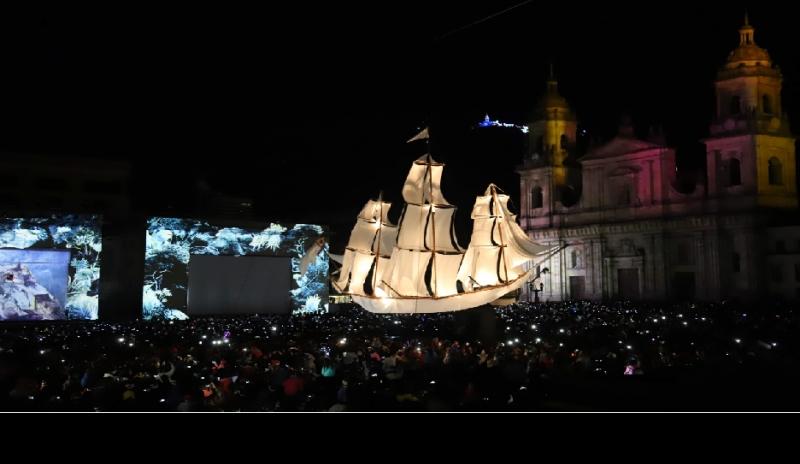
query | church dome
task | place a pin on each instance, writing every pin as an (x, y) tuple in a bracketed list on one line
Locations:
[(748, 54), (552, 98), (552, 105)]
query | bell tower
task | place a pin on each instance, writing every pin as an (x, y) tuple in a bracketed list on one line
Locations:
[(751, 150), (553, 133), (549, 176)]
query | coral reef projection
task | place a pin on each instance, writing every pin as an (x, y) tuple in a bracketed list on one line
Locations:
[(171, 242)]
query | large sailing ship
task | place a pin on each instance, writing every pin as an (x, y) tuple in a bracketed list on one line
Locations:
[(417, 266)]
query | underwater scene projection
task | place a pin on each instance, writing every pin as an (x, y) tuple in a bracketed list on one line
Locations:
[(50, 268), (172, 242)]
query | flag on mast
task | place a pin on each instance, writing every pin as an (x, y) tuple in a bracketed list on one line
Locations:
[(423, 135)]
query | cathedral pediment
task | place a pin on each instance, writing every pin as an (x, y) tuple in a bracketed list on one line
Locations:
[(624, 171), (620, 146)]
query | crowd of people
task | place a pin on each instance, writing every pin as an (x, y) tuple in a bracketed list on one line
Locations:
[(526, 357)]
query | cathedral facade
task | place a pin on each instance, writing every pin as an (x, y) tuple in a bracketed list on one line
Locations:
[(625, 229)]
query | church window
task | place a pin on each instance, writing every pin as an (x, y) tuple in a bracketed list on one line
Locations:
[(735, 172), (564, 141), (775, 172), (537, 199), (574, 259)]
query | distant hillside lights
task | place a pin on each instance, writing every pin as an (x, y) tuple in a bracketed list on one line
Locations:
[(487, 122)]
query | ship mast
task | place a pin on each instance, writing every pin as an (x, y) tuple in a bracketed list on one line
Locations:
[(433, 227), (502, 239), (378, 251)]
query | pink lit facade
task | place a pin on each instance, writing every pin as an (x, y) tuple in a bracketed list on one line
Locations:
[(632, 234)]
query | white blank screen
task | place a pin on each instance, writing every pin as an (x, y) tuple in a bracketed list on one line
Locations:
[(238, 285)]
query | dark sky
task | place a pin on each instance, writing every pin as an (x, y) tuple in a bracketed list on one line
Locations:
[(307, 108)]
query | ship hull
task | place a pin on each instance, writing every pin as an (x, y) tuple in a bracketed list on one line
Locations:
[(430, 305)]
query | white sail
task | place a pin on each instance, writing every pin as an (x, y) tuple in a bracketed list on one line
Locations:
[(374, 209), (413, 222), (343, 282), (441, 231), (407, 272), (362, 265), (425, 262), (388, 240), (445, 275), (424, 183), (498, 247), (363, 235), (382, 271), (372, 241), (428, 228), (520, 248)]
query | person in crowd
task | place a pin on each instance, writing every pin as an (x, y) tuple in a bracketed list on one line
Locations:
[(354, 360)]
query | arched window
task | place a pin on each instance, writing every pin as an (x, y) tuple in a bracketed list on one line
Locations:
[(766, 104), (735, 172), (775, 172), (736, 105), (564, 141), (574, 259), (537, 199)]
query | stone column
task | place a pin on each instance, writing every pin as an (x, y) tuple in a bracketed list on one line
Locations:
[(649, 282), (660, 271), (599, 256), (700, 280), (712, 270), (552, 279)]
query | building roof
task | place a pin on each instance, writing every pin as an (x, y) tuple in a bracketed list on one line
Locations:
[(748, 57), (552, 98), (620, 145), (552, 105)]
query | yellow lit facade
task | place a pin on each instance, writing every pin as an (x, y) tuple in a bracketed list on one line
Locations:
[(553, 134), (751, 151), (634, 232)]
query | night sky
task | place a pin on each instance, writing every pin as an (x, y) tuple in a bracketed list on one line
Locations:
[(307, 108)]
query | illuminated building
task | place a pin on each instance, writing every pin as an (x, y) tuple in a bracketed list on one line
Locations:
[(632, 233), (552, 141)]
